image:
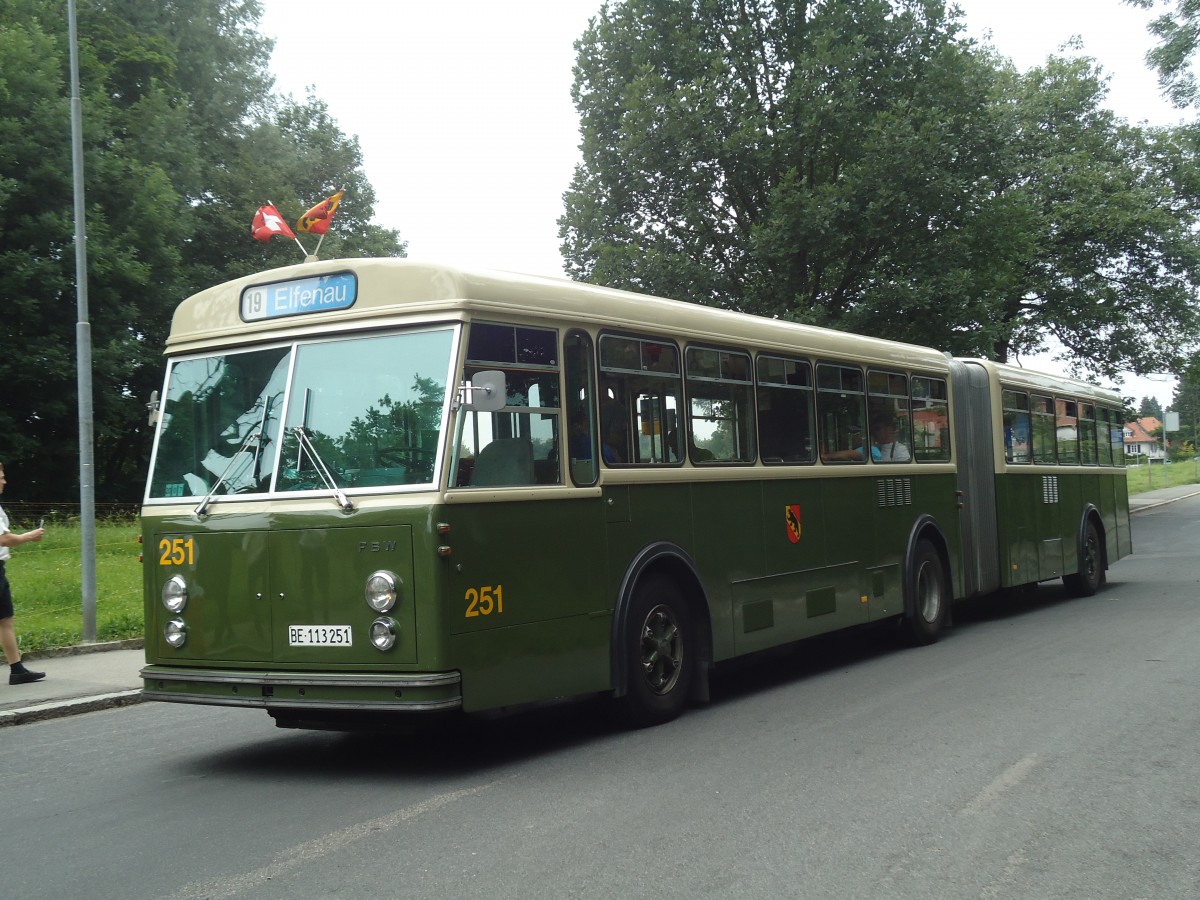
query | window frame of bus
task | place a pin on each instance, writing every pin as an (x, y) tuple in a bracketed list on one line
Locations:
[(1019, 411), (844, 430), (1089, 451), (698, 358), (768, 387), (886, 380), (935, 396), (1043, 412), (1116, 436), (1066, 414), (509, 366), (579, 374), (633, 415)]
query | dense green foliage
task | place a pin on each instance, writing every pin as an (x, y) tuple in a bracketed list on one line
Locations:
[(1178, 33), (863, 165), (183, 141)]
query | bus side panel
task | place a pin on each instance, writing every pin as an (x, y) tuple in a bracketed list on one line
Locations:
[(526, 605), (528, 663), (814, 585), (729, 549), (1122, 533), (1018, 512)]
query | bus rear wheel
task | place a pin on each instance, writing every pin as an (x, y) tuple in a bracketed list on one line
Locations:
[(1088, 579), (660, 654), (930, 595)]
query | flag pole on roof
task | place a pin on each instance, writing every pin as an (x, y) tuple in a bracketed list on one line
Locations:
[(268, 222), (318, 219)]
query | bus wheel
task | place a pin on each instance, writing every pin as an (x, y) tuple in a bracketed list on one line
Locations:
[(660, 654), (1087, 580), (930, 595)]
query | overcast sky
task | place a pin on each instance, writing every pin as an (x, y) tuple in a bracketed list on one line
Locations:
[(469, 137)]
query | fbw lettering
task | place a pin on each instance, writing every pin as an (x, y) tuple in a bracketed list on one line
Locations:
[(375, 546)]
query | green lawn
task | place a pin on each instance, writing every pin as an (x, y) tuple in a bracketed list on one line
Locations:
[(1147, 477), (46, 578), (47, 585)]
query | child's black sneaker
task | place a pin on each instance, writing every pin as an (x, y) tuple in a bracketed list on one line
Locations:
[(25, 677)]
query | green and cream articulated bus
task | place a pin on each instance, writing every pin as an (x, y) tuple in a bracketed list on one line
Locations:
[(382, 490)]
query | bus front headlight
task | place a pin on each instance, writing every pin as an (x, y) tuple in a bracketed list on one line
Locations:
[(383, 633), (175, 633), (382, 590), (175, 594)]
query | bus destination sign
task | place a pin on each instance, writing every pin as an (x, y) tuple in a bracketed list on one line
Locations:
[(322, 293)]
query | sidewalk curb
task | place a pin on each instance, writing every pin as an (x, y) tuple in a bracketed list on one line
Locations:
[(80, 649), (54, 709), (1158, 503)]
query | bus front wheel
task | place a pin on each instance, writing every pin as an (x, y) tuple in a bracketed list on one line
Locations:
[(660, 654), (930, 595)]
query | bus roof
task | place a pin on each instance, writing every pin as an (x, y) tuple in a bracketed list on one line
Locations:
[(1030, 380), (394, 290)]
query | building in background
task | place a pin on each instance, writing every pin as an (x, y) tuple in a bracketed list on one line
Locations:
[(1140, 442)]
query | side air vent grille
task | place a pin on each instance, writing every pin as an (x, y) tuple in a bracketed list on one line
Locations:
[(894, 491), (1049, 488)]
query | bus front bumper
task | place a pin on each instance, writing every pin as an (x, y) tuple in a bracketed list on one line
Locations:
[(362, 692)]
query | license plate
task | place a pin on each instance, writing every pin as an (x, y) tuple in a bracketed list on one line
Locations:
[(319, 635)]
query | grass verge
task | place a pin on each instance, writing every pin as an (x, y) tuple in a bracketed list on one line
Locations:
[(47, 585)]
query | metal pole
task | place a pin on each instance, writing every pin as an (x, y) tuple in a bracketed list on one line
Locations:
[(83, 352)]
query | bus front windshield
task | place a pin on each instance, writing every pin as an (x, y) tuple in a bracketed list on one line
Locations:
[(371, 410)]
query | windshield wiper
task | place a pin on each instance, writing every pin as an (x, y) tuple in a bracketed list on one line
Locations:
[(306, 445), (253, 438)]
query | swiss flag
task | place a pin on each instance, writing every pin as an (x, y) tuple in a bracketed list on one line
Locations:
[(268, 223)]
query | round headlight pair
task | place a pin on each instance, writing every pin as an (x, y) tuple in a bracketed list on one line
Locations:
[(175, 633), (382, 590), (175, 594)]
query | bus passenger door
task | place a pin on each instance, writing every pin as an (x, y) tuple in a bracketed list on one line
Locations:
[(527, 612)]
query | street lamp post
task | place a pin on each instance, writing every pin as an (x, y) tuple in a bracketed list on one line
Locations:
[(83, 351)]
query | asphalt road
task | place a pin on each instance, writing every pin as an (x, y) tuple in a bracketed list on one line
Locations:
[(1046, 747)]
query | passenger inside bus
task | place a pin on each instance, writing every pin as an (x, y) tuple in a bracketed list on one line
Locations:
[(885, 446)]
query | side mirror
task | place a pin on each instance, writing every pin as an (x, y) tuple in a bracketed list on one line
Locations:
[(485, 392)]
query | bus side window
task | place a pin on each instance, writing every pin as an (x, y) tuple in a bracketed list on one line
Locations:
[(890, 420), (1066, 427), (519, 443), (721, 406), (579, 368), (1017, 428), (1044, 429), (640, 398), (1087, 435), (930, 419), (785, 410), (841, 413)]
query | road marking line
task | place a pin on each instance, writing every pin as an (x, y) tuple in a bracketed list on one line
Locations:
[(309, 851), (1005, 781)]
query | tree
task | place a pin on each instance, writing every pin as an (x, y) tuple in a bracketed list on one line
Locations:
[(862, 165), (1150, 407), (182, 141), (1178, 33)]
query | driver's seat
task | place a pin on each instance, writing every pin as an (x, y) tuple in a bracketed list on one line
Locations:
[(504, 462)]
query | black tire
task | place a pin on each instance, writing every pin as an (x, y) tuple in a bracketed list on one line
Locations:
[(929, 594), (660, 654), (1090, 576)]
